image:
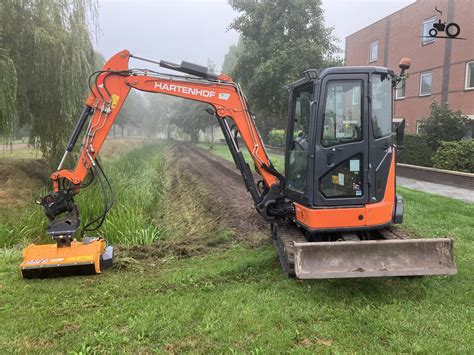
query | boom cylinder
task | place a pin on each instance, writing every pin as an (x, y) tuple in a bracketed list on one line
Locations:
[(75, 134)]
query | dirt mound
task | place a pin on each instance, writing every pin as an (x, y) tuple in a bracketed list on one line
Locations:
[(232, 202), (20, 180)]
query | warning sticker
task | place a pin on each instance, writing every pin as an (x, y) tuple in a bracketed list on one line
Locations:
[(354, 165), (341, 179)]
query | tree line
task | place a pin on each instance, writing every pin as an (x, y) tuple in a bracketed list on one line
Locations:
[(46, 56), (279, 40)]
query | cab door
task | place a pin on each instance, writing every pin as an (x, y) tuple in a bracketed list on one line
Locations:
[(341, 144)]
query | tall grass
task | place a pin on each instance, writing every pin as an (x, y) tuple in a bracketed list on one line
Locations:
[(138, 181)]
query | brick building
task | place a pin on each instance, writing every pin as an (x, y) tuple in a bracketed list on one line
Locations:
[(441, 69)]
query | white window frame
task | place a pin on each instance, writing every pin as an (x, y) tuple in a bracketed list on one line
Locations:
[(404, 82), (421, 82), (466, 87), (425, 40), (374, 43), (418, 125)]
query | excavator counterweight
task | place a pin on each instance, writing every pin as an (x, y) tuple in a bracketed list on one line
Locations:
[(331, 212)]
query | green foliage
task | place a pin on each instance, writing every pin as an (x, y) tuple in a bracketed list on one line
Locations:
[(277, 137), (45, 59), (231, 58), (160, 116), (417, 151), (192, 117), (443, 125), (138, 181), (8, 93), (133, 112), (279, 40), (457, 156)]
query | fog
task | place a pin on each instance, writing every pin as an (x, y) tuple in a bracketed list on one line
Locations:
[(197, 30)]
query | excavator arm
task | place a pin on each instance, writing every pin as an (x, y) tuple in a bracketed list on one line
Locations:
[(108, 94)]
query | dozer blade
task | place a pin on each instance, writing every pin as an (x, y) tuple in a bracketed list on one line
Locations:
[(81, 258), (374, 258)]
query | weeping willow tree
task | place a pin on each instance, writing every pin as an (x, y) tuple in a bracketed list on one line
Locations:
[(46, 56)]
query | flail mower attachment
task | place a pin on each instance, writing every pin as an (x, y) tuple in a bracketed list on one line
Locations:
[(67, 257), (88, 257)]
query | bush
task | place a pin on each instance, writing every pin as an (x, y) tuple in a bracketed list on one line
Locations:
[(443, 125), (277, 138), (417, 151), (457, 156)]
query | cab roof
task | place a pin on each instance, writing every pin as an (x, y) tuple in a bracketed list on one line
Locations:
[(321, 73)]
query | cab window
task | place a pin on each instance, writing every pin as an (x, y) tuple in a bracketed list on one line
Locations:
[(381, 105), (298, 156), (342, 121)]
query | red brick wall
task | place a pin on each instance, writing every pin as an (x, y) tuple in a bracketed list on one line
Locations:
[(404, 40)]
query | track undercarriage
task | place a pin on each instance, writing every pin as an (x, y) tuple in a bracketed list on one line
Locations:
[(376, 253)]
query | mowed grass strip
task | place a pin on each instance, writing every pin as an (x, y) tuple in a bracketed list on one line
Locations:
[(237, 300)]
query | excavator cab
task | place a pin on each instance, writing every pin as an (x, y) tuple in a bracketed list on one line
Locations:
[(340, 175), (340, 137)]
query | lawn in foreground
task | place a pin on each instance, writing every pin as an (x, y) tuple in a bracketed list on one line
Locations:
[(239, 300)]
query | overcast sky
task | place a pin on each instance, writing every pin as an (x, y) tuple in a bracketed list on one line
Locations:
[(196, 30)]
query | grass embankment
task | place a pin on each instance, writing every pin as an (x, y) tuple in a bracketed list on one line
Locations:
[(237, 300), (222, 150)]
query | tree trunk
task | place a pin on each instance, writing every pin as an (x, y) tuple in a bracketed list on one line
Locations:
[(122, 130)]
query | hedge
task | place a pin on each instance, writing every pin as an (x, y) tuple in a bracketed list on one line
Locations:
[(457, 156), (277, 138), (417, 151)]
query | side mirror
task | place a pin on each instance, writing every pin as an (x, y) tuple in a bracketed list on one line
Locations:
[(399, 128)]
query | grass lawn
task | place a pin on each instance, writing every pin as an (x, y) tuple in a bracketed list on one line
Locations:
[(234, 298), (223, 151)]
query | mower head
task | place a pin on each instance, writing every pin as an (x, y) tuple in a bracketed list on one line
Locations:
[(68, 256), (88, 257)]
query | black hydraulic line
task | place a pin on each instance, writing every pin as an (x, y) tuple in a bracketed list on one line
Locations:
[(101, 218), (240, 162), (78, 128)]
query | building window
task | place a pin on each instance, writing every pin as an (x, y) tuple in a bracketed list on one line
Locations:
[(419, 124), (374, 51), (425, 83), (469, 75), (400, 92), (425, 32)]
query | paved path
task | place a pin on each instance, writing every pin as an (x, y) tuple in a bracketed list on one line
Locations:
[(438, 189)]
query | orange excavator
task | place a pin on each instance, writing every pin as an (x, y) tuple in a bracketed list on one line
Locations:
[(331, 213)]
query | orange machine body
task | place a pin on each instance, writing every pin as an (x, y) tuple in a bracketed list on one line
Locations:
[(369, 216)]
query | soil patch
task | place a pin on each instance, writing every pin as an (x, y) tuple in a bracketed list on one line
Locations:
[(231, 200), (20, 180)]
